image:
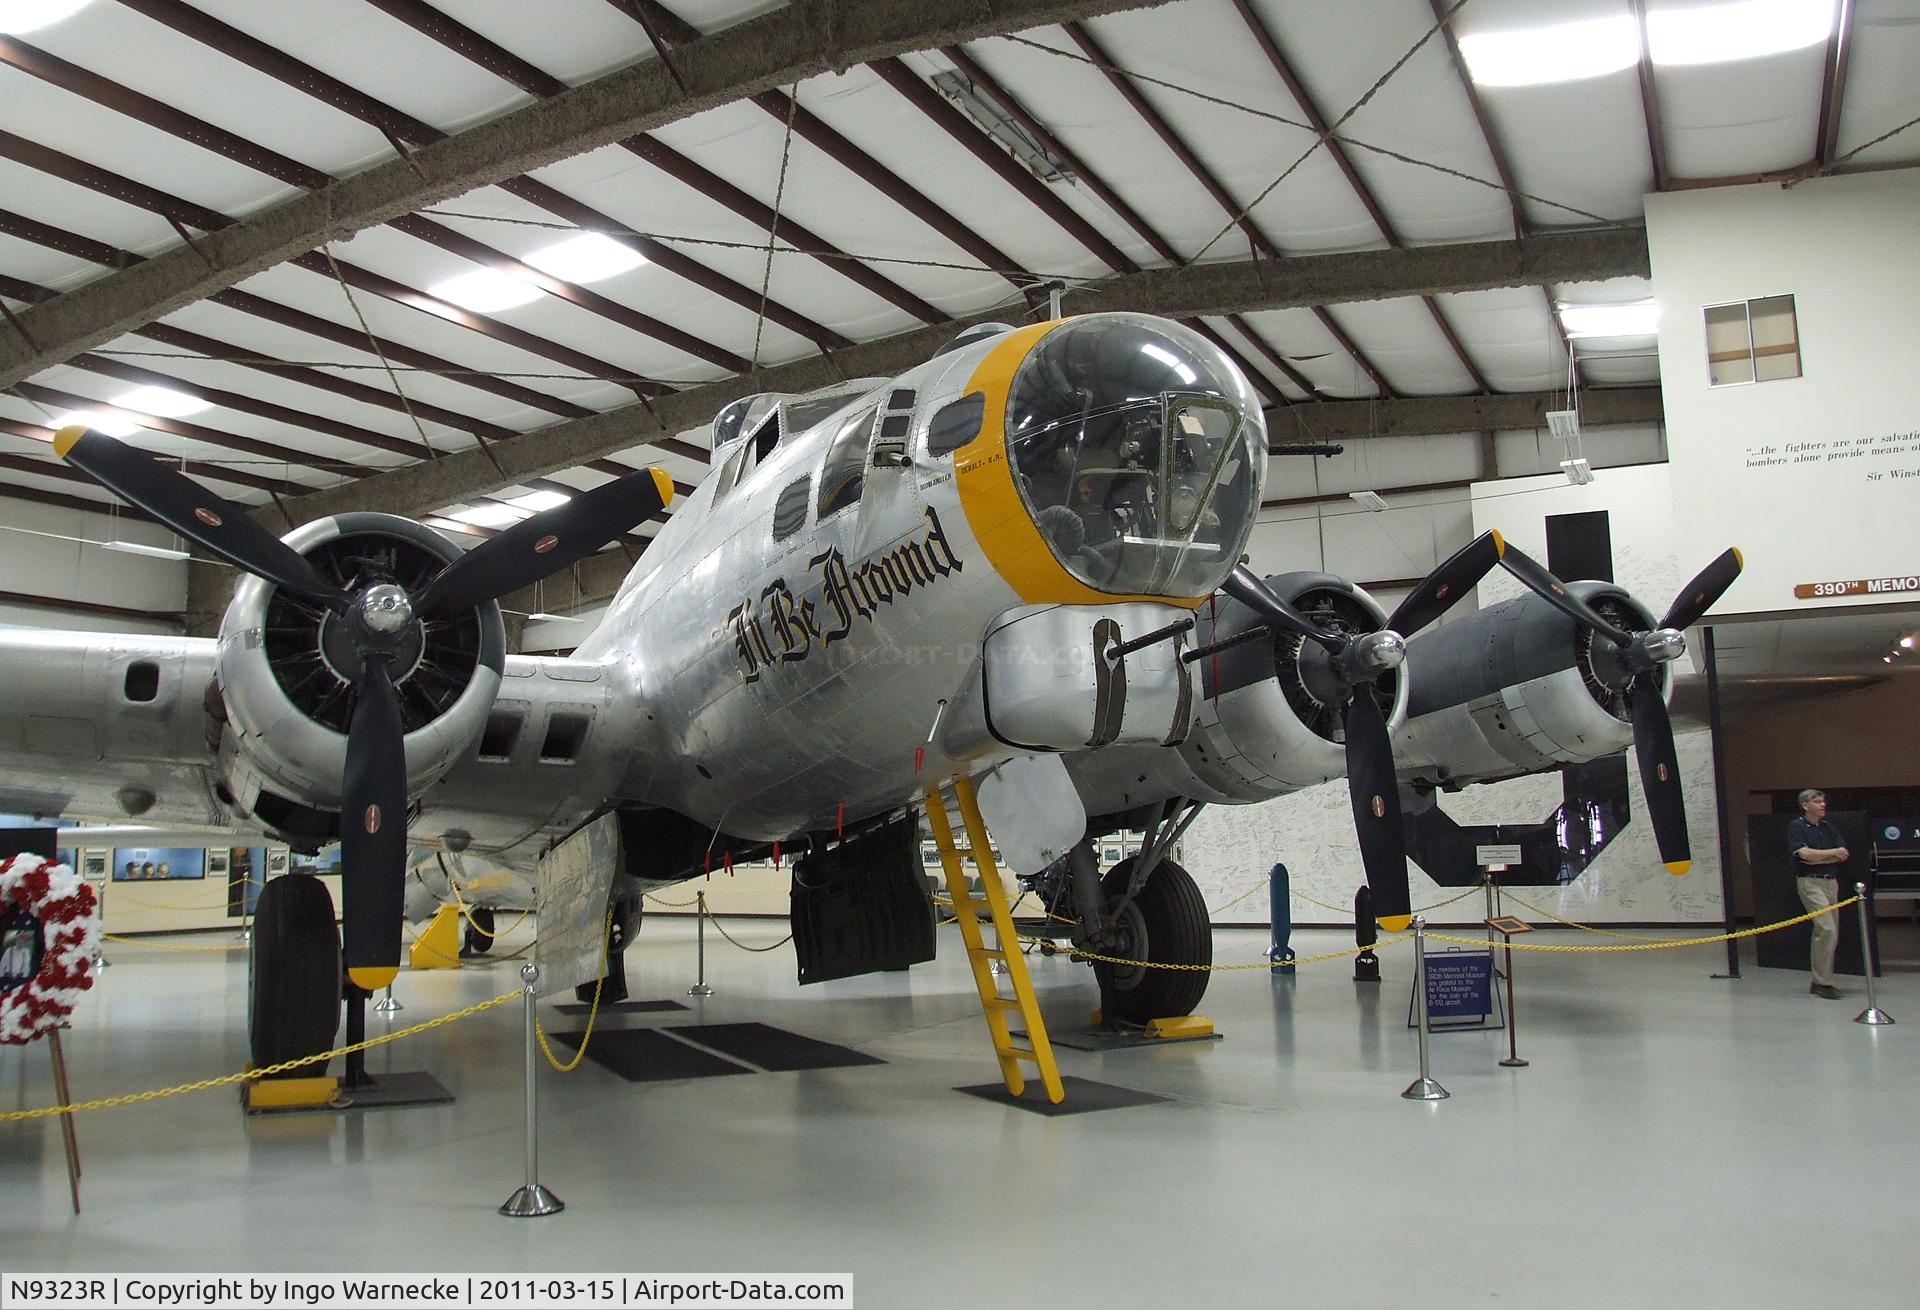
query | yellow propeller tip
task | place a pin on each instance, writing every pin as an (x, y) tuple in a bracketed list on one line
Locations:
[(373, 979), (63, 439), (663, 483), (1499, 544), (1739, 558), (1396, 922), (1678, 868)]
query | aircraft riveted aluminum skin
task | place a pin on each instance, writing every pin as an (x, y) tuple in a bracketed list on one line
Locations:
[(790, 683)]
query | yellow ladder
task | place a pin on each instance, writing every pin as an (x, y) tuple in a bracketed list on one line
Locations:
[(1005, 950)]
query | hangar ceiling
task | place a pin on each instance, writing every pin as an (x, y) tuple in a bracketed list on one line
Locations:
[(338, 255)]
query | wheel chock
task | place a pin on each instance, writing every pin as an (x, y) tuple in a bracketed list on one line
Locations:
[(290, 1094), (438, 945), (1187, 1025)]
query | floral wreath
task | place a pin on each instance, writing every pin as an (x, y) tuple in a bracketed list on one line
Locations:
[(68, 913)]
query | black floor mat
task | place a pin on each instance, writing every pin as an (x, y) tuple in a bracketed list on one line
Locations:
[(1083, 1096), (621, 1007), (773, 1049), (646, 1055)]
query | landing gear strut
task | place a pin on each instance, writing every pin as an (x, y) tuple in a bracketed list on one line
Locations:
[(1146, 909)]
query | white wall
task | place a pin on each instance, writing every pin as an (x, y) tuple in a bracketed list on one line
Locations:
[(1845, 249), (1231, 848), (44, 565)]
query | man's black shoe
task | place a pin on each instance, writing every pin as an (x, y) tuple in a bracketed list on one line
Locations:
[(1826, 992)]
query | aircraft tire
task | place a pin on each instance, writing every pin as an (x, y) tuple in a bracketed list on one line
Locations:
[(480, 931), (293, 977), (1166, 924)]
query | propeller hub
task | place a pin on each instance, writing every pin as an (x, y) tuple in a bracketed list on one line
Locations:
[(1375, 653), (385, 609), (1662, 646)]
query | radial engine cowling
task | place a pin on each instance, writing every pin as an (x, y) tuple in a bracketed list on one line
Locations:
[(1516, 688), (286, 672), (1270, 718)]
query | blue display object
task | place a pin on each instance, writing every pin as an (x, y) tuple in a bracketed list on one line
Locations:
[(1280, 915), (1460, 992)]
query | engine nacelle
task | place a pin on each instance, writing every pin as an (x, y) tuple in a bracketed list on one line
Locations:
[(286, 671), (1269, 719), (1515, 689)]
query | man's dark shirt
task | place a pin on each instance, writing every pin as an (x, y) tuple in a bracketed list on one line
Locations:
[(1821, 836)]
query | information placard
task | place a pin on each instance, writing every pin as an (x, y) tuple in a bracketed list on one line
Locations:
[(1460, 991)]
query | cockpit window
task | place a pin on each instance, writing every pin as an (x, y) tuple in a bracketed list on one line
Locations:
[(1137, 448), (843, 471)]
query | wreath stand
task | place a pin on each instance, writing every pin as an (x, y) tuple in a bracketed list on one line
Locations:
[(63, 912), (67, 1134)]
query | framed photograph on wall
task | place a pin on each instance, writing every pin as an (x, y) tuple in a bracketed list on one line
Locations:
[(94, 865)]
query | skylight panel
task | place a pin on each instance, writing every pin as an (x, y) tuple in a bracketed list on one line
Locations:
[(1746, 29), (1556, 52), (485, 290), (589, 257)]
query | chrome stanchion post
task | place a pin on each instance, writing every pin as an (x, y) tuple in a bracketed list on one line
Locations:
[(1423, 1088), (532, 1199), (387, 1004), (1873, 1014), (700, 987)]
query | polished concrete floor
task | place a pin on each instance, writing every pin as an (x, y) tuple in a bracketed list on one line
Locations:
[(1677, 1141)]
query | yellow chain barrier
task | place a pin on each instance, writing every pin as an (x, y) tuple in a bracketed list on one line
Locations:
[(163, 946), (1659, 945), (1418, 909), (1571, 923), (606, 950), (127, 898), (249, 1075), (757, 950), (1079, 954), (461, 905), (673, 905)]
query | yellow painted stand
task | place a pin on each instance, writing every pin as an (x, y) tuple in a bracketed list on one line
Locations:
[(1005, 950), (291, 1093), (438, 945)]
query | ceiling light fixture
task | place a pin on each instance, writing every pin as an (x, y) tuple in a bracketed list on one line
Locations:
[(541, 616), (163, 402), (1747, 29), (1558, 52), (1634, 318), (19, 16), (488, 516), (589, 257), (138, 548), (485, 290), (537, 501), (1907, 641), (110, 425), (1370, 500), (1002, 127)]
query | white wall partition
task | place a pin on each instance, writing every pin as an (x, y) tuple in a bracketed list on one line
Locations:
[(1815, 476)]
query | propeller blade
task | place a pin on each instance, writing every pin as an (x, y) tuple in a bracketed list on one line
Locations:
[(1660, 774), (194, 512), (1698, 596), (1251, 590), (546, 543), (373, 830), (1550, 589), (1453, 579), (1375, 793)]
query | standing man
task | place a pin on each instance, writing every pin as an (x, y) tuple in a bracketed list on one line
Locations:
[(1816, 850)]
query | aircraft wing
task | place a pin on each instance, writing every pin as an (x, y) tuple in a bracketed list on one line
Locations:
[(108, 726)]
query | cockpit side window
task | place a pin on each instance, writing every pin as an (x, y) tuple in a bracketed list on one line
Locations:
[(729, 473), (843, 471)]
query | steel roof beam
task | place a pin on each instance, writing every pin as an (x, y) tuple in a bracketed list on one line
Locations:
[(1501, 168), (509, 67), (1204, 289), (1833, 86), (1256, 239), (1650, 102), (1338, 153), (1125, 212), (774, 49)]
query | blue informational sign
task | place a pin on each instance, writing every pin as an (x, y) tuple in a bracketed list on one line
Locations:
[(1460, 991)]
